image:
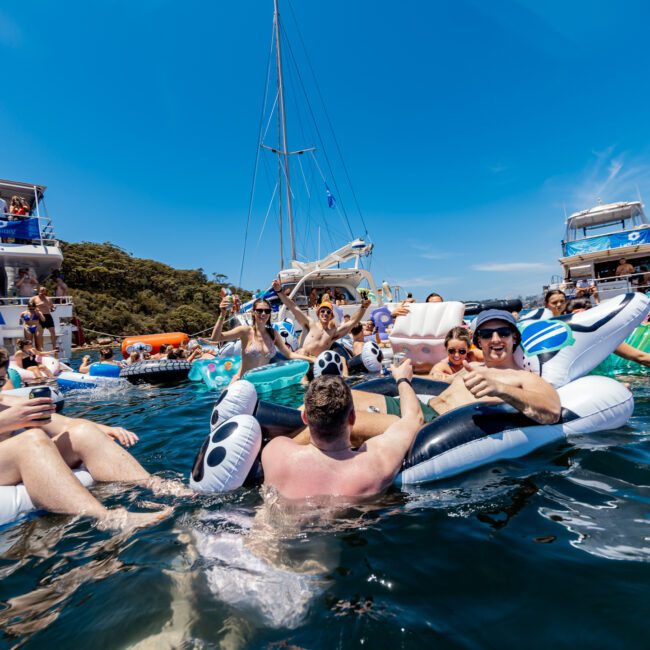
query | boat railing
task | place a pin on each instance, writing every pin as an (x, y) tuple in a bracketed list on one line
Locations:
[(607, 287), (46, 235), (24, 300)]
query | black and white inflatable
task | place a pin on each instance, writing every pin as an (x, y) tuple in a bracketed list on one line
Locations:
[(562, 350)]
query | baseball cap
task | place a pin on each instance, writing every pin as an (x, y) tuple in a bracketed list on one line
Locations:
[(494, 314)]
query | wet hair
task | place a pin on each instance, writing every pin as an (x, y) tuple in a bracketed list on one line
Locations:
[(460, 334), (328, 404), (269, 328), (164, 347), (551, 293), (577, 303), (4, 358), (434, 295), (105, 353), (21, 343), (356, 329)]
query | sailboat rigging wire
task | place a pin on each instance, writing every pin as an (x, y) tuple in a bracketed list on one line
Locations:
[(327, 117), (304, 179), (257, 160), (266, 216), (271, 113), (318, 133)]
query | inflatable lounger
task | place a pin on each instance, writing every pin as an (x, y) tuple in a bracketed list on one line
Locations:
[(465, 438)]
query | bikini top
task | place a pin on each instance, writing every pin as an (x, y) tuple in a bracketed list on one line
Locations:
[(28, 316), (254, 349)]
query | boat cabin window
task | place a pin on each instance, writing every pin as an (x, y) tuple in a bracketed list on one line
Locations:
[(607, 269)]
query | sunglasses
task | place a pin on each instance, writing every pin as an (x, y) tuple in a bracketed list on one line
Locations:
[(263, 311), (326, 310), (460, 351), (487, 332)]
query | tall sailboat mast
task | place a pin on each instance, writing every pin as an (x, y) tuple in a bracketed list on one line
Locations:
[(283, 154)]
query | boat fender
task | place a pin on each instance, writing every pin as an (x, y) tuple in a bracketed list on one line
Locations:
[(328, 363), (381, 317), (239, 398), (104, 370), (368, 361), (227, 455)]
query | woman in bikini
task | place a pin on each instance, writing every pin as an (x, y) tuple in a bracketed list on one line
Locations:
[(457, 343), (31, 320), (25, 358), (259, 341)]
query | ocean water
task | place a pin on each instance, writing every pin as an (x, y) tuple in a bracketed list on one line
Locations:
[(551, 550)]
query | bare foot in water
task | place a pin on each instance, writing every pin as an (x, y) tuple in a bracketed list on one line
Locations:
[(122, 519), (164, 486)]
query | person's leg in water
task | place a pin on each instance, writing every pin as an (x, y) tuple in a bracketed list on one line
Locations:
[(33, 458)]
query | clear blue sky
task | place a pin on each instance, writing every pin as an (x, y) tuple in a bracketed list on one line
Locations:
[(467, 126)]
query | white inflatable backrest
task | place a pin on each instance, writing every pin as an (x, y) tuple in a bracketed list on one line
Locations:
[(421, 333), (565, 348)]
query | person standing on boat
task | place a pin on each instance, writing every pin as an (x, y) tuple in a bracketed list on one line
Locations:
[(328, 465), (26, 284), (31, 320), (624, 268), (259, 341), (321, 333), (45, 305)]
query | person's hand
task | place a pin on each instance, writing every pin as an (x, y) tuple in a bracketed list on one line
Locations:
[(225, 306), (480, 381), (31, 413), (85, 358), (403, 371), (276, 286), (365, 303), (125, 437), (402, 310)]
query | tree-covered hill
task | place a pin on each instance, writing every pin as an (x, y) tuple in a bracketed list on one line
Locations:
[(122, 295)]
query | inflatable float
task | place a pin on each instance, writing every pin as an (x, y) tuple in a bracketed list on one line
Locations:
[(57, 396), (275, 376), (615, 365), (156, 371), (152, 342), (560, 350), (215, 373)]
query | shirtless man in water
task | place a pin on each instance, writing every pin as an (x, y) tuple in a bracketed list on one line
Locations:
[(499, 379), (328, 465), (323, 332)]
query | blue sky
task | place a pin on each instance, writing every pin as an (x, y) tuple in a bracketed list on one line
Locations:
[(467, 128)]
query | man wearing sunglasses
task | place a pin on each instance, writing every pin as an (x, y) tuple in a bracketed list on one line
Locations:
[(38, 448), (321, 333), (498, 379)]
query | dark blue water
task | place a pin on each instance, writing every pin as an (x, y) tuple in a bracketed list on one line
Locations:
[(547, 551)]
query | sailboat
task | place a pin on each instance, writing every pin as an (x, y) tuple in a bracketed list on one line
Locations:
[(343, 272)]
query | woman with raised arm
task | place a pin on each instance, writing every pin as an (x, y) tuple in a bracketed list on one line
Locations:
[(259, 341)]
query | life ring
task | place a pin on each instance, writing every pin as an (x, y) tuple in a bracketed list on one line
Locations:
[(99, 369), (15, 502), (479, 434), (156, 371)]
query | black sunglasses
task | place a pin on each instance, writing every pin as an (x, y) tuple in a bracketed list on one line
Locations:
[(460, 351), (487, 332), (326, 310), (262, 311)]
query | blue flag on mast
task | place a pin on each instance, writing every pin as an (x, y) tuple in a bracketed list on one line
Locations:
[(331, 201)]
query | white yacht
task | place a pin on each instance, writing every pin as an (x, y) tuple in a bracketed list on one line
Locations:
[(595, 242), (28, 244)]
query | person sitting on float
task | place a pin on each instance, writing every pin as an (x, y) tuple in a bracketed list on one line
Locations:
[(38, 447), (25, 358), (196, 352), (105, 356), (358, 339), (499, 380), (330, 465), (259, 341), (458, 344), (321, 333)]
